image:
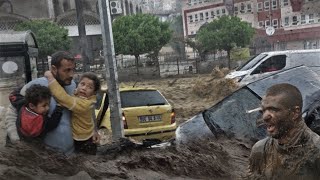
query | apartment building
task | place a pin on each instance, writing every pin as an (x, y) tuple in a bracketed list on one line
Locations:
[(296, 22)]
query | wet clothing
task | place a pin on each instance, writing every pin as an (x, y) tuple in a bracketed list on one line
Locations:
[(31, 124), (59, 139), (83, 123), (299, 159), (87, 146)]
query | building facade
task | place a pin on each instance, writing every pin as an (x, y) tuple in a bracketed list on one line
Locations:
[(296, 22), (63, 12)]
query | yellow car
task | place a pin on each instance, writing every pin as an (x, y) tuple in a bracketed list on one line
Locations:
[(146, 114)]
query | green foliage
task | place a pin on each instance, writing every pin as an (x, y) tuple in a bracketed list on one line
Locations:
[(225, 33), (139, 34), (239, 53), (50, 37), (197, 46)]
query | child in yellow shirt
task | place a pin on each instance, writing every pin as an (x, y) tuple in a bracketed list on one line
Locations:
[(84, 129)]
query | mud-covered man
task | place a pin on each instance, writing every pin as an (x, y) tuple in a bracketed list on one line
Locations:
[(292, 150)]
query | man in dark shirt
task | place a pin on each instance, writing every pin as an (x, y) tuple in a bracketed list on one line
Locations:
[(292, 150)]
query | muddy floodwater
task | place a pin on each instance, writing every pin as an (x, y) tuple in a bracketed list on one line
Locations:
[(220, 158)]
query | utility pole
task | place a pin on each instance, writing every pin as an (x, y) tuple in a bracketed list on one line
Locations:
[(111, 70), (82, 36)]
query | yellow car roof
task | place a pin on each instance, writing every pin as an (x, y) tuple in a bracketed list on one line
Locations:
[(128, 88)]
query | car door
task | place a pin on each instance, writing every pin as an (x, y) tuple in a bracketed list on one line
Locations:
[(270, 65)]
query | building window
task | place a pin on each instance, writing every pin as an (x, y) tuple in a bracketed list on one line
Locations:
[(201, 16), (285, 2), (259, 6), (274, 4), (267, 23), (249, 7), (212, 14), (266, 5), (207, 15), (189, 2), (275, 23), (303, 19), (286, 21), (223, 11), (192, 32), (311, 45), (195, 2), (200, 1), (242, 8), (236, 9), (294, 20), (311, 18), (196, 17), (218, 12), (261, 24), (190, 19)]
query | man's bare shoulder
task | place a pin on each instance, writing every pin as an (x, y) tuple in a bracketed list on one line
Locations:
[(260, 144)]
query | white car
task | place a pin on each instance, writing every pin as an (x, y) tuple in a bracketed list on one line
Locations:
[(271, 62)]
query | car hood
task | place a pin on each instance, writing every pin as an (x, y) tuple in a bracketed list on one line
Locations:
[(233, 115), (235, 74)]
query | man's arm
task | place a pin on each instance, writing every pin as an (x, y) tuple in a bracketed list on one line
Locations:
[(10, 124)]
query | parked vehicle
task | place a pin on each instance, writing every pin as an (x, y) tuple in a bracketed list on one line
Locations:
[(237, 115), (147, 115), (270, 62)]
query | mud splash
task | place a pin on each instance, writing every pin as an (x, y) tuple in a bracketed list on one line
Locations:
[(200, 160)]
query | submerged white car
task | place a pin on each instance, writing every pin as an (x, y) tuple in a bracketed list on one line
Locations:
[(268, 63)]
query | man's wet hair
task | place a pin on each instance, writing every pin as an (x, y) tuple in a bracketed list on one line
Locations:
[(58, 56), (292, 95), (36, 93), (92, 77)]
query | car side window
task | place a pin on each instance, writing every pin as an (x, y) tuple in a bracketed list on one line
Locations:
[(99, 100), (274, 63)]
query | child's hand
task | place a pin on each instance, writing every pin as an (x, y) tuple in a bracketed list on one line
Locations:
[(96, 138), (49, 75)]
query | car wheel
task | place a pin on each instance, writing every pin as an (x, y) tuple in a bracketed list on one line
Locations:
[(105, 136)]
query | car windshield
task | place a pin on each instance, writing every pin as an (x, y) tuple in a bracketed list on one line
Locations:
[(252, 62), (241, 121), (141, 98)]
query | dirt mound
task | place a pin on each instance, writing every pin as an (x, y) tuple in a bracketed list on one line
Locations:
[(198, 160), (216, 86), (203, 159), (219, 73)]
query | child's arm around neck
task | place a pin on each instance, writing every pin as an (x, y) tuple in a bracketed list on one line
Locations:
[(49, 76)]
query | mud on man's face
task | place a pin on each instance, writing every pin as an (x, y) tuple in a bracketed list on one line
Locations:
[(278, 118)]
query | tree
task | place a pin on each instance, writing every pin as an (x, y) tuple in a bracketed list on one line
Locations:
[(178, 41), (139, 34), (50, 37), (198, 46), (226, 33)]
